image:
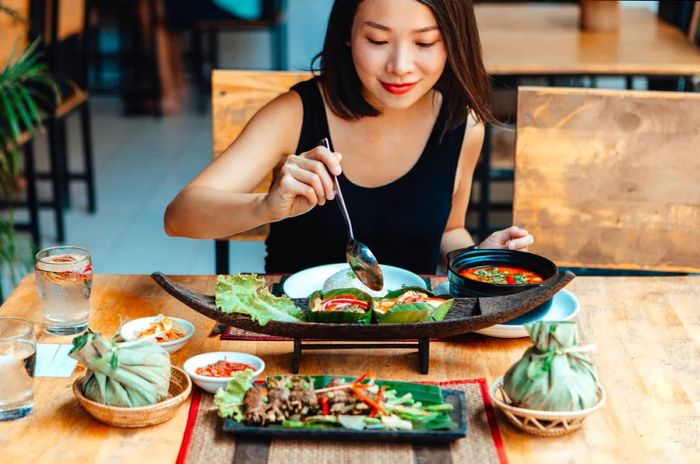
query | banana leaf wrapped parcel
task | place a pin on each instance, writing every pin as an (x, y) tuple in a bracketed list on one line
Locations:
[(130, 374), (340, 306), (554, 374)]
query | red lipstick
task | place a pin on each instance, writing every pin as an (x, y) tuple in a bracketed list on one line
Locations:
[(398, 89)]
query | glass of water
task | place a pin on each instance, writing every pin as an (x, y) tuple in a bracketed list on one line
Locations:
[(64, 281), (17, 360)]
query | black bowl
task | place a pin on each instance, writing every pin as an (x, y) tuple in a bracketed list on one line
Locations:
[(467, 258)]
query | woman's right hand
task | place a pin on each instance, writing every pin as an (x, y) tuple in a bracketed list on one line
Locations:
[(303, 182)]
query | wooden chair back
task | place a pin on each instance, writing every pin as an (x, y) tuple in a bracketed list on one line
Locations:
[(65, 38), (236, 97), (13, 31), (610, 179), (70, 20), (694, 29)]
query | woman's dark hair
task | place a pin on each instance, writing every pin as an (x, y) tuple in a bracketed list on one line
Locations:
[(465, 86)]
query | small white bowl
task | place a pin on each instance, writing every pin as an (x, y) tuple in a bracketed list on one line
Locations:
[(129, 331), (212, 384)]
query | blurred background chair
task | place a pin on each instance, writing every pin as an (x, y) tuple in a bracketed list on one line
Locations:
[(678, 13), (14, 39), (123, 54), (236, 97), (204, 60), (609, 179), (60, 27), (63, 26), (683, 15)]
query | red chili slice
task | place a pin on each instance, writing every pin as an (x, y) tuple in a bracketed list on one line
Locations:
[(335, 303)]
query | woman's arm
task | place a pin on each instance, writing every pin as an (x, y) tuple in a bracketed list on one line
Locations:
[(456, 235), (218, 202)]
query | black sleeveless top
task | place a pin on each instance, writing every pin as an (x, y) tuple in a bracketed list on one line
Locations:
[(401, 222)]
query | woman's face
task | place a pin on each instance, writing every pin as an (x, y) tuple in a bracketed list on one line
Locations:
[(397, 50)]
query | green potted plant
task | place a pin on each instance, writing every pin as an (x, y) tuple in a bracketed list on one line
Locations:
[(26, 87)]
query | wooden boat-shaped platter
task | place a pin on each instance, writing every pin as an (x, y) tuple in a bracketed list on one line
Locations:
[(466, 315)]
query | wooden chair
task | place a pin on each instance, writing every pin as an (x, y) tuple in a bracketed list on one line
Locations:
[(236, 97), (609, 179)]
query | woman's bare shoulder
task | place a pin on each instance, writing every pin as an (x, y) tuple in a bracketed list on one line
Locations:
[(471, 146), (474, 123), (275, 128), (473, 135)]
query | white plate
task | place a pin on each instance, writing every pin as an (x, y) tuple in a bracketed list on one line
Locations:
[(564, 307), (132, 328), (304, 283), (212, 384)]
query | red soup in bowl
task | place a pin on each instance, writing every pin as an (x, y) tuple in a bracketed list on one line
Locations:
[(502, 275)]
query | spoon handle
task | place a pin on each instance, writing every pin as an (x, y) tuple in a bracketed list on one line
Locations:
[(339, 195)]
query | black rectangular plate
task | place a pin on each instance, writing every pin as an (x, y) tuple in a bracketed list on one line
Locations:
[(458, 416)]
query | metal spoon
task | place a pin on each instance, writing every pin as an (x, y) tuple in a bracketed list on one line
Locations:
[(358, 255)]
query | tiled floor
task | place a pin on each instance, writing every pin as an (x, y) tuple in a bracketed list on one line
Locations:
[(141, 163)]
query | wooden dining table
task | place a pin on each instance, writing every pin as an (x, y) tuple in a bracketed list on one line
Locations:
[(545, 40), (646, 329)]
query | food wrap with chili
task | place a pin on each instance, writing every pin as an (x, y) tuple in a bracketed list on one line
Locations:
[(340, 306), (411, 304)]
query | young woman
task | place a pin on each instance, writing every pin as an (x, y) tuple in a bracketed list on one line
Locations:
[(402, 95)]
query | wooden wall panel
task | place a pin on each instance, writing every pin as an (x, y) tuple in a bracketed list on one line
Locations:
[(610, 179), (236, 97)]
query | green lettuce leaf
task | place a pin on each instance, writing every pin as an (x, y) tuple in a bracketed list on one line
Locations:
[(229, 400), (247, 294)]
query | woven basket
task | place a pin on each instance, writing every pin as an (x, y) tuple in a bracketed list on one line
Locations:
[(542, 423), (143, 416)]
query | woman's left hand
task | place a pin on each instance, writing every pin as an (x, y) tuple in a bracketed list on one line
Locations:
[(512, 238)]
